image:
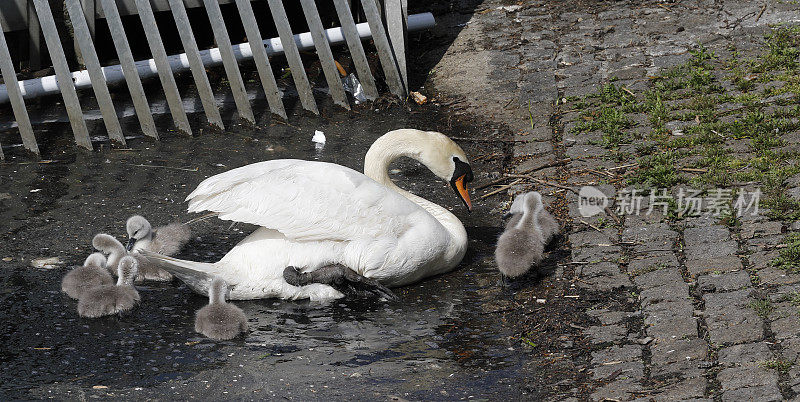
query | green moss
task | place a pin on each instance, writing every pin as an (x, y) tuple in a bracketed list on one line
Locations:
[(763, 307), (789, 257)]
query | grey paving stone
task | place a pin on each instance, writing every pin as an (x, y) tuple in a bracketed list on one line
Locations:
[(596, 253), (730, 319), (535, 163), (670, 320), (702, 265), (765, 393), (748, 354), (573, 138), (581, 151), (533, 148), (688, 389), (605, 283), (776, 276), (758, 229), (744, 377), (711, 250), (659, 277), (724, 282), (592, 237), (620, 390), (712, 234), (605, 333), (765, 242), (790, 350), (651, 261), (622, 371), (788, 326), (762, 259), (784, 292), (651, 236), (674, 292), (598, 269), (625, 353), (678, 350), (608, 317)]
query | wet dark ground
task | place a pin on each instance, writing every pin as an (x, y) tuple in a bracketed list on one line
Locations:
[(444, 339), (456, 336)]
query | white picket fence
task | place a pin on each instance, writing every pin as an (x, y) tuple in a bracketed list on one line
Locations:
[(386, 25)]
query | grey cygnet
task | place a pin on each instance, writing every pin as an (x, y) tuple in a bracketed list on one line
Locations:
[(522, 243), (92, 274), (112, 299), (165, 240), (220, 320), (115, 250)]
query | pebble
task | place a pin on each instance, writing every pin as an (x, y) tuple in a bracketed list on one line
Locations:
[(46, 262)]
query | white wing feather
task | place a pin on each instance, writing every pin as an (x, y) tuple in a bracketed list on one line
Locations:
[(304, 200)]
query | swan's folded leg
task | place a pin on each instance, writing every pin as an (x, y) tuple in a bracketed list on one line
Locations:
[(338, 277)]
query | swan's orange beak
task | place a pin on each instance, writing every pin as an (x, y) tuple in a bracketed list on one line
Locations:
[(463, 191)]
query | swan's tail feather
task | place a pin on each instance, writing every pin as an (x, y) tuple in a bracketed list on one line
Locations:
[(196, 275), (201, 218)]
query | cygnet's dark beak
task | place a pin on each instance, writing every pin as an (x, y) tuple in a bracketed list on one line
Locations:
[(508, 215), (131, 242)]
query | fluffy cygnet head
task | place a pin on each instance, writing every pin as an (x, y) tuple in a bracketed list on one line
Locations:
[(127, 270), (95, 260), (138, 228), (529, 202), (218, 291)]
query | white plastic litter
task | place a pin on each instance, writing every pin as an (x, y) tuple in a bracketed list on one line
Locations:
[(319, 137), (353, 85)]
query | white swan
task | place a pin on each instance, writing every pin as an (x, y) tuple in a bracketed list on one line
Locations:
[(315, 214)]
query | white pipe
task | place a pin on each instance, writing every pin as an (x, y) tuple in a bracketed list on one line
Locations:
[(37, 87)]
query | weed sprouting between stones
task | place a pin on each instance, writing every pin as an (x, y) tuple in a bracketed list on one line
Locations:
[(710, 122), (789, 256)]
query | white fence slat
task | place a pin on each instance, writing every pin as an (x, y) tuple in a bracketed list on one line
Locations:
[(125, 56), (348, 25), (384, 50), (274, 96), (63, 74), (90, 59), (196, 64), (396, 26), (324, 52), (34, 40), (17, 103), (293, 56), (153, 36), (228, 60)]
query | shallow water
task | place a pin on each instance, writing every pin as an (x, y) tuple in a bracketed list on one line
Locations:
[(439, 342)]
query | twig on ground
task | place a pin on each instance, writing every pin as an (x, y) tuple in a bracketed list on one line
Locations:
[(591, 226), (763, 8), (613, 215), (487, 156), (475, 139), (623, 166), (540, 181), (163, 167), (528, 171), (694, 170), (506, 187)]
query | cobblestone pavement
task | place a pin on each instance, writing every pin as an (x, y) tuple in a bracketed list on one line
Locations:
[(712, 316)]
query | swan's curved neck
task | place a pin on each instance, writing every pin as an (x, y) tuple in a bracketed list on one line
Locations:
[(398, 144), (381, 154)]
